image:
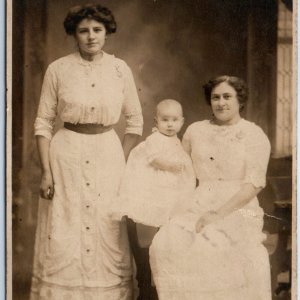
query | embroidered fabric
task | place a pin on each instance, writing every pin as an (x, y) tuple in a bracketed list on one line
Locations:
[(83, 92), (234, 152), (78, 248), (222, 257)]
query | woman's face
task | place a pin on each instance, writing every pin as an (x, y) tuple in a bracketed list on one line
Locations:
[(90, 36), (225, 104)]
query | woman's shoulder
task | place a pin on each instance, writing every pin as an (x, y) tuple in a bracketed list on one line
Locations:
[(70, 58), (117, 64), (112, 59), (251, 127), (253, 132), (63, 61)]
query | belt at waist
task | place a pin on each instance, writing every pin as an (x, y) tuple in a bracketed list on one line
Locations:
[(88, 128)]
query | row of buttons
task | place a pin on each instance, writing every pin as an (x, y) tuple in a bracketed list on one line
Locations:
[(88, 228)]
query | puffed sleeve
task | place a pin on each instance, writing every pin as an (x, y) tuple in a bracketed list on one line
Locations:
[(47, 110), (131, 107), (257, 157), (186, 141)]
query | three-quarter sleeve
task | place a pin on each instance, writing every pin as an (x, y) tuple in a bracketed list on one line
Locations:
[(131, 107), (257, 157), (47, 110)]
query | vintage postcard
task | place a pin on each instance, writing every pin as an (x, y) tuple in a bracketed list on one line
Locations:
[(151, 149)]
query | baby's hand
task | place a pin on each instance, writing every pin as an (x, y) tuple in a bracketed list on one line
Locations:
[(167, 165)]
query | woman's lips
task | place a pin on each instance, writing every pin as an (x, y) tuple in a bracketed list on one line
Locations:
[(222, 110)]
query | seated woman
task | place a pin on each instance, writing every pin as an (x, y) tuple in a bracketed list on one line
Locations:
[(214, 250)]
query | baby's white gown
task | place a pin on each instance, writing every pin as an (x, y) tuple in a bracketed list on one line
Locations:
[(151, 196)]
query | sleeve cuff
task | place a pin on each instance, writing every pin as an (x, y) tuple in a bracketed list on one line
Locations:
[(134, 123), (43, 133), (43, 127), (258, 181), (134, 130)]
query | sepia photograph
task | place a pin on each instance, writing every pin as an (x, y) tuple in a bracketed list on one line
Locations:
[(151, 150)]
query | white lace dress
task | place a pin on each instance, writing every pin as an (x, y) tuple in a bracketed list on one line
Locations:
[(80, 253), (149, 195), (227, 260)]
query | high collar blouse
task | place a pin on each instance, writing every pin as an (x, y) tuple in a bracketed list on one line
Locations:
[(79, 91)]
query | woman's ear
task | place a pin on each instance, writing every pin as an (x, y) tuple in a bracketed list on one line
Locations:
[(155, 121)]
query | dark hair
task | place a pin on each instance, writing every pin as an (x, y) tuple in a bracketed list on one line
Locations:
[(89, 11), (237, 83)]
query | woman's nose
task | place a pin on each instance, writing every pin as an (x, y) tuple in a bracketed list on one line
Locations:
[(221, 101), (91, 34)]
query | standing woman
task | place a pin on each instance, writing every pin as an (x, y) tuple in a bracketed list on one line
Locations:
[(80, 253), (214, 251)]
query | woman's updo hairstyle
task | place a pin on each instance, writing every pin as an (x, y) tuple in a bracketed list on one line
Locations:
[(237, 83), (89, 11)]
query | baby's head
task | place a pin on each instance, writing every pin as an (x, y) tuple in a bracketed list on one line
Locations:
[(169, 119)]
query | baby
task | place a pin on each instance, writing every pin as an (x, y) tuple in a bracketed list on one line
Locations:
[(158, 182), (159, 173)]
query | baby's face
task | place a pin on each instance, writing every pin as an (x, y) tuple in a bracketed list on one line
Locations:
[(169, 119)]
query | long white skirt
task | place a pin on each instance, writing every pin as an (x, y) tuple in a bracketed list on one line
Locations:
[(226, 261), (80, 253)]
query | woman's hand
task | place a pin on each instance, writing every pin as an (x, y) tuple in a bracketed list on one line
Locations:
[(208, 218), (247, 192), (47, 186)]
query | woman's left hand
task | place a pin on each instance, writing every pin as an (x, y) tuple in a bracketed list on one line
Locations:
[(208, 218)]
